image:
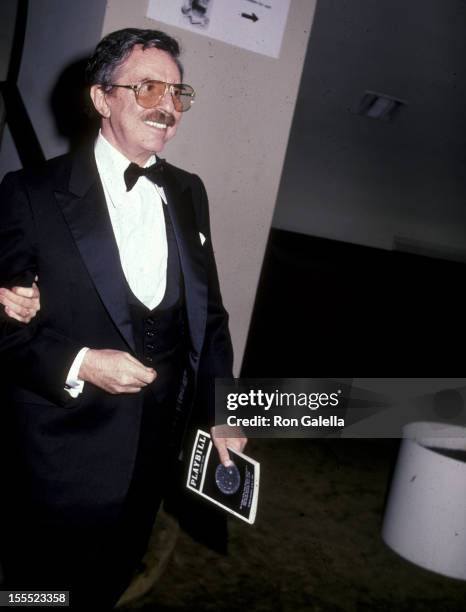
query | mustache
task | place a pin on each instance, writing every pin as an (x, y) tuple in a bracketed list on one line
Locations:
[(160, 115)]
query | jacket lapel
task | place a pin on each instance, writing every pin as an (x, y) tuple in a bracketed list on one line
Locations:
[(85, 211), (192, 256)]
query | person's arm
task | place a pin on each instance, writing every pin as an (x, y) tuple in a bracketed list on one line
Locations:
[(22, 304), (35, 355), (217, 355)]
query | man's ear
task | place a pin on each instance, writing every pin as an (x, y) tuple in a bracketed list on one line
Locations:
[(100, 101)]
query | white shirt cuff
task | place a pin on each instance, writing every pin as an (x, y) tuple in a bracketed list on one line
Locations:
[(75, 385)]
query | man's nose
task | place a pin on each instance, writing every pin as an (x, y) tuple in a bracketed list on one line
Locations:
[(166, 101)]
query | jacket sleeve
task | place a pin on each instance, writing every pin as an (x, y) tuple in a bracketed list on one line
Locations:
[(217, 353), (32, 355)]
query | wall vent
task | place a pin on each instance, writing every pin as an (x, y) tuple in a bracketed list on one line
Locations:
[(379, 106)]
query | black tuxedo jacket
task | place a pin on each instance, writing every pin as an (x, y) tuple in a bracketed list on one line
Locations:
[(78, 454)]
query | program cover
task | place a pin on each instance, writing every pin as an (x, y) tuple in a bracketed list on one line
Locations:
[(234, 488)]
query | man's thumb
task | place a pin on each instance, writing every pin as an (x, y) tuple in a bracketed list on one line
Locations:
[(224, 454)]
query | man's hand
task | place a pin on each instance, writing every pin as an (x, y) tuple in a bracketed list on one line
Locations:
[(223, 436), (21, 303), (115, 371)]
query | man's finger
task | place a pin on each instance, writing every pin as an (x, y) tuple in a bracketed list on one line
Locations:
[(133, 376), (142, 372), (14, 298), (24, 291), (134, 360), (144, 375), (18, 310), (221, 446), (237, 444), (120, 389), (137, 362), (12, 314)]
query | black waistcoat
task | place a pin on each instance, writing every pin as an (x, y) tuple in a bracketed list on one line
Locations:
[(162, 343)]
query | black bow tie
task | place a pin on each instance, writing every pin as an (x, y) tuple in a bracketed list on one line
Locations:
[(153, 173)]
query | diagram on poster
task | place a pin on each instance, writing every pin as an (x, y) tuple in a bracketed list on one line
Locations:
[(256, 25)]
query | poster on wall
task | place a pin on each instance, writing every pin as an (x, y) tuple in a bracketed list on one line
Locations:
[(256, 25)]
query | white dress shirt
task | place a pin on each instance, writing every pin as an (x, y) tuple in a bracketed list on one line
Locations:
[(138, 223)]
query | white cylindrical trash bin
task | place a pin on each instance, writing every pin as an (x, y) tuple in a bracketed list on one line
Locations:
[(425, 517)]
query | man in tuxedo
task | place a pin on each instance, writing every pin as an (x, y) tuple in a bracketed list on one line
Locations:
[(130, 335)]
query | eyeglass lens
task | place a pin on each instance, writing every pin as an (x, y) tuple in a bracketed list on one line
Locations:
[(150, 93)]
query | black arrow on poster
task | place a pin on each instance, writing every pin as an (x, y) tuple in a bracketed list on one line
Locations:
[(252, 17)]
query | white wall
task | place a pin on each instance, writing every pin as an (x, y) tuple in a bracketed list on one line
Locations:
[(359, 180), (235, 138)]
